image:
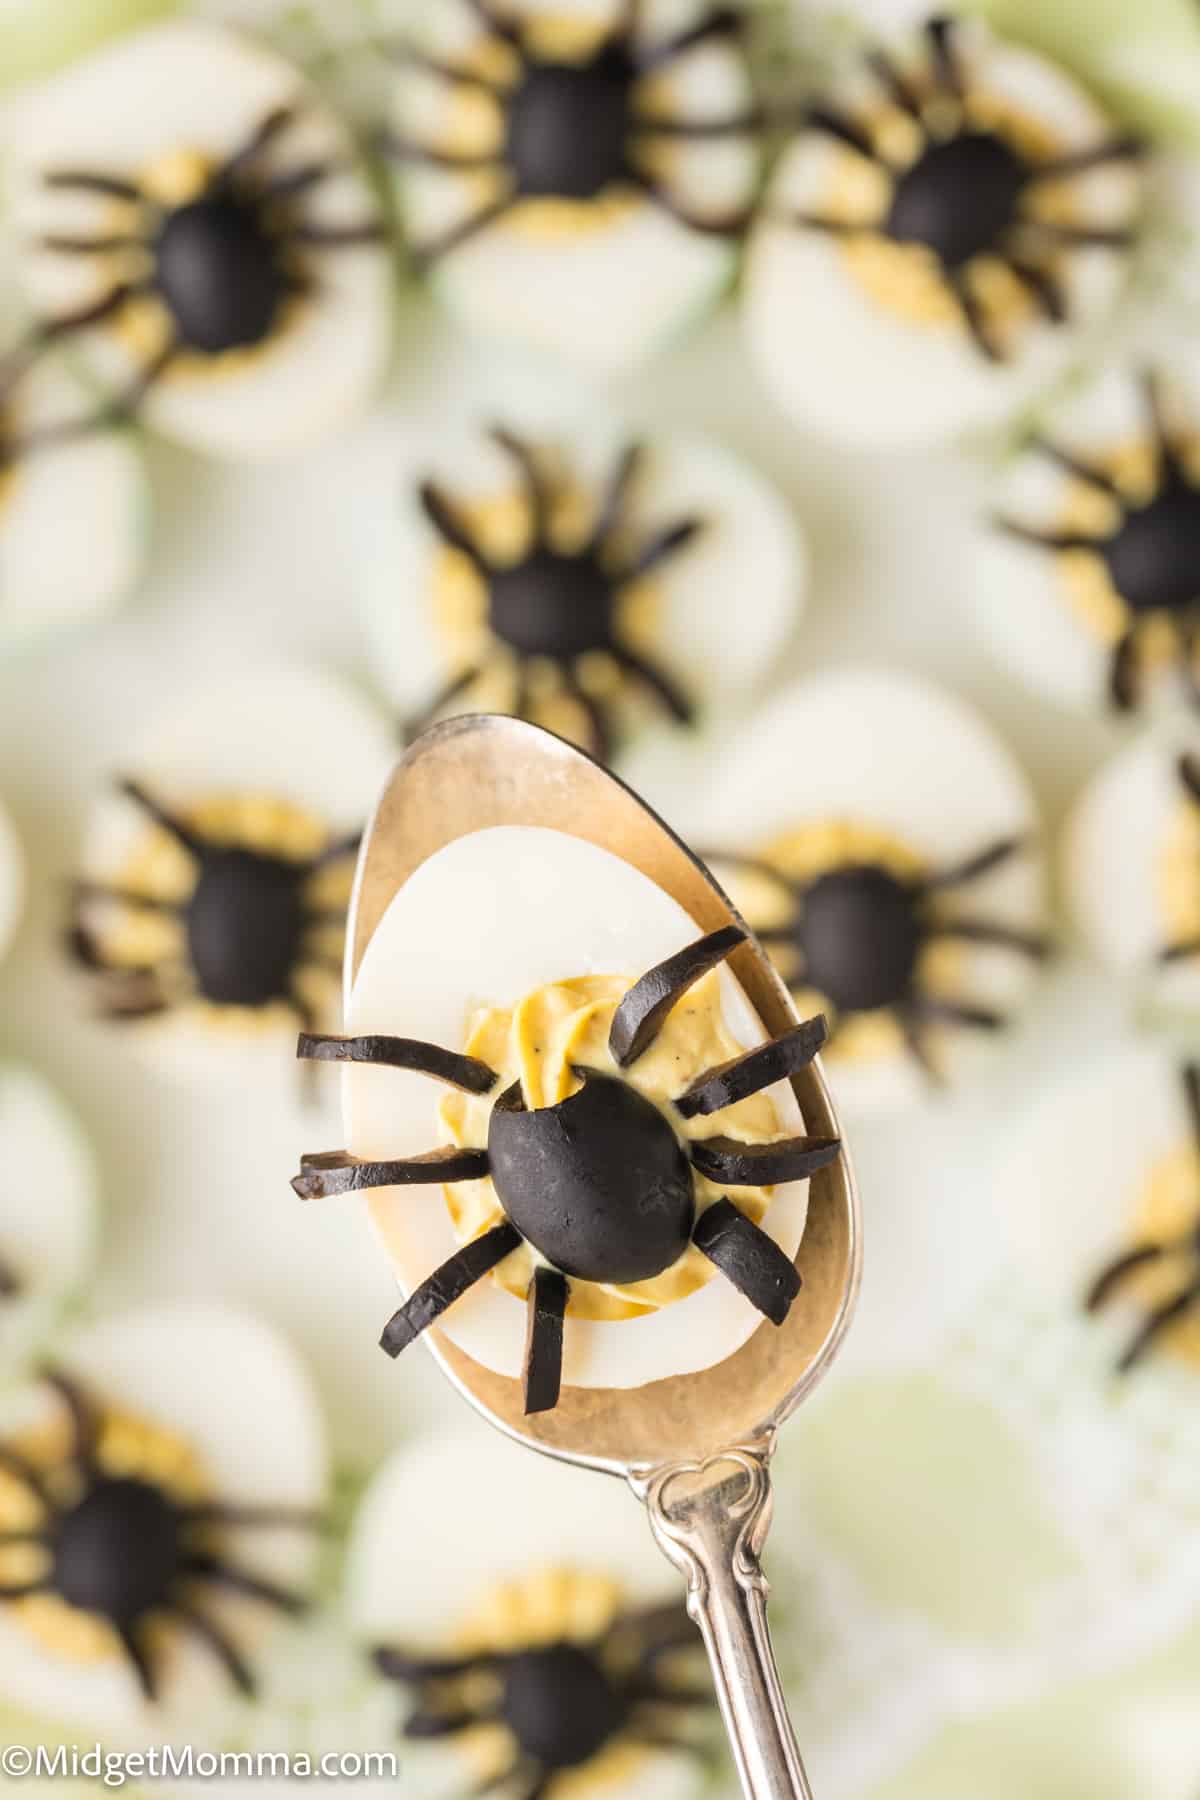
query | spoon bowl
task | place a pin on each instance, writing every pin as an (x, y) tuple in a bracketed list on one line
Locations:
[(695, 1447)]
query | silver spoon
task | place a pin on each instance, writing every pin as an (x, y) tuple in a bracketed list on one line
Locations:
[(695, 1449)]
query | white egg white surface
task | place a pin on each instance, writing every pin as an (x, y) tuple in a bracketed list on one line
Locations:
[(894, 752), (73, 515), (484, 921), (237, 1394), (1112, 865), (186, 86), (448, 1518), (836, 360), (48, 1212), (292, 733), (613, 293), (12, 880), (729, 600)]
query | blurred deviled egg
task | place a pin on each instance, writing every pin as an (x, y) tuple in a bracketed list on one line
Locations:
[(951, 225), (48, 1207), (544, 1656), (578, 178), (190, 213), (1092, 577), (12, 881), (882, 845), (215, 875), (160, 1488), (558, 565)]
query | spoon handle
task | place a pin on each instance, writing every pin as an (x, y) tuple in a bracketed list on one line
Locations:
[(711, 1520)]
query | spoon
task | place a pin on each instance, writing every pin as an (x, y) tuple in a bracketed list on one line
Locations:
[(696, 1448)]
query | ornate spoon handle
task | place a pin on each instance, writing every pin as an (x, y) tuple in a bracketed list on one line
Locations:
[(711, 1519)]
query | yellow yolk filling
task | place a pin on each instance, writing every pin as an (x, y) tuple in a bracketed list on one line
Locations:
[(1165, 1212), (804, 854), (499, 524), (159, 867), (125, 1447), (537, 1042), (1178, 883), (907, 279)]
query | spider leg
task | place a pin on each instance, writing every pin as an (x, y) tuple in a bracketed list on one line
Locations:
[(909, 1021), (1080, 237), (729, 224), (291, 183), (465, 1072), (833, 227), (1116, 1273), (338, 237), (338, 1172), (64, 244), (845, 131), (973, 315), (1123, 672), (273, 126), (721, 22), (1033, 944), (440, 513), (220, 1512), (740, 124), (616, 496), (1160, 1321), (10, 1281), (89, 181), (1077, 162), (84, 1424), (536, 493), (894, 84), (139, 1660), (1043, 288), (19, 1468), (426, 1304), (939, 33), (749, 1259), (597, 721), (167, 821), (546, 1305), (133, 990), (49, 332), (1191, 1093), (403, 149), (423, 256), (436, 1722), (642, 669), (931, 1009), (412, 56), (500, 24), (397, 1665), (101, 890), (661, 1737), (975, 867), (643, 1010), (203, 1567), (754, 1070), (457, 685), (660, 548), (1099, 479), (729, 1162), (1179, 950), (1045, 540), (1170, 469), (222, 1647), (24, 1590)]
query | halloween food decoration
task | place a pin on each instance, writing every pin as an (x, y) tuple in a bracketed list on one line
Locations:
[(1131, 868), (555, 1654), (216, 874), (1093, 565), (48, 1210), (191, 213), (939, 240), (12, 880), (565, 569), (156, 1514), (569, 1087), (893, 873), (581, 183)]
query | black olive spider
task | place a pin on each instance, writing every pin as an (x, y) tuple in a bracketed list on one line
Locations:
[(856, 933), (558, 604), (577, 130), (245, 926), (125, 1550), (963, 196), (599, 1185), (224, 264), (1151, 556), (1125, 1269), (561, 1703)]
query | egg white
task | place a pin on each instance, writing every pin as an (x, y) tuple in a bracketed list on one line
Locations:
[(237, 1394), (891, 751), (834, 360), (616, 293), (293, 733), (181, 86), (484, 921), (48, 1212)]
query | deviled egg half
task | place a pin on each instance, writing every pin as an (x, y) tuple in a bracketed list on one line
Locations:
[(160, 1491), (48, 1209), (953, 223), (556, 564), (73, 500), (1091, 584), (12, 881), (579, 178), (543, 1656), (190, 213), (1131, 868), (620, 1184), (882, 845), (215, 874)]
